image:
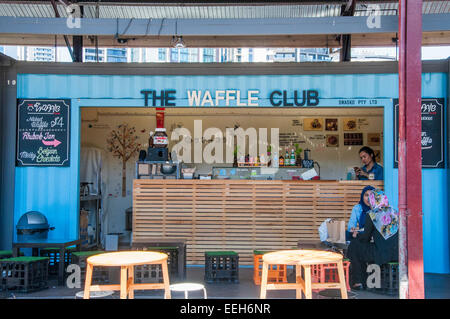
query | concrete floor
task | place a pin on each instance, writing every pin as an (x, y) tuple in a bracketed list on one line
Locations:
[(436, 287)]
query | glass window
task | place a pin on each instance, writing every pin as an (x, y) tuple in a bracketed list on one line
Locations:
[(173, 55), (162, 54), (184, 55), (208, 55)]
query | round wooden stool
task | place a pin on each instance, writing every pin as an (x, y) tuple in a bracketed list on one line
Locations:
[(126, 260), (305, 259)]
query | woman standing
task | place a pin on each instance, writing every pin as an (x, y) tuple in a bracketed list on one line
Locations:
[(371, 167), (382, 226)]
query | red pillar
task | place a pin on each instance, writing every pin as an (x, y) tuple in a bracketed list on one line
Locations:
[(410, 151)]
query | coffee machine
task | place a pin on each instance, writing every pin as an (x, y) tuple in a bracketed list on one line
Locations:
[(309, 163), (157, 150), (306, 162)]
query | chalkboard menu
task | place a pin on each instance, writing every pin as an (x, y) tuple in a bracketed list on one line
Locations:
[(43, 132), (432, 133)]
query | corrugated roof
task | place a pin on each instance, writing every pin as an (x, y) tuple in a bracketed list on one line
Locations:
[(213, 12)]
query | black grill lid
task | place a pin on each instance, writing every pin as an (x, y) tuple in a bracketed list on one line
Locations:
[(33, 220)]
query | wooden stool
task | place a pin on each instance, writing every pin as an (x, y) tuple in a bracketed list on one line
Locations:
[(302, 259), (126, 260)]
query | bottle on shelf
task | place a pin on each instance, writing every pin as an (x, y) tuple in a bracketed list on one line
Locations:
[(276, 160), (292, 157), (150, 140), (281, 161), (287, 162)]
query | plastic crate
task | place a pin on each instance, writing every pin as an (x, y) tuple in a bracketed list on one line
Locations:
[(221, 266), (6, 254), (53, 256), (99, 275), (389, 278), (24, 274), (276, 274), (329, 273), (172, 258), (148, 274), (153, 273)]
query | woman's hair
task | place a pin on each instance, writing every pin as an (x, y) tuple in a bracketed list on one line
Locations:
[(369, 151)]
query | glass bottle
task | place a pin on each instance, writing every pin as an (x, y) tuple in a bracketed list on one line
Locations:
[(292, 157)]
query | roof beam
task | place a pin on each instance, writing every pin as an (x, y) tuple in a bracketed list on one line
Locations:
[(208, 2), (214, 27), (289, 41)]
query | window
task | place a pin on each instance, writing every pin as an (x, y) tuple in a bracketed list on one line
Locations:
[(173, 55), (184, 55), (162, 54), (208, 55), (193, 55), (116, 55)]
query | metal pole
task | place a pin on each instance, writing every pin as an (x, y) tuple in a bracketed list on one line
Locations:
[(410, 151), (402, 238)]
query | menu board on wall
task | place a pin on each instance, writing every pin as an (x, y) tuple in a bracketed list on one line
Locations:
[(432, 133), (43, 132)]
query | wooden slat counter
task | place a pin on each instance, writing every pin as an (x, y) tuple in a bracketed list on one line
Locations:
[(239, 215)]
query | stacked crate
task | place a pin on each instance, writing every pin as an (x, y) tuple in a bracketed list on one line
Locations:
[(276, 274), (54, 259), (389, 278), (6, 254), (153, 273), (329, 273), (221, 266), (24, 274), (99, 275)]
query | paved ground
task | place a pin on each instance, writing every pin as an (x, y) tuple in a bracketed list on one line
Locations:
[(436, 286)]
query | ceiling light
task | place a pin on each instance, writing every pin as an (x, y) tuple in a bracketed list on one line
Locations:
[(177, 42)]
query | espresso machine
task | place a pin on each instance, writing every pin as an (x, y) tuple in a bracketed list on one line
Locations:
[(309, 163), (306, 162)]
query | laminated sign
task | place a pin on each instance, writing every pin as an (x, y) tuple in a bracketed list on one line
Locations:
[(43, 132), (336, 231)]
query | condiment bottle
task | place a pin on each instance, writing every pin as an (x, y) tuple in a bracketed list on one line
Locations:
[(292, 158), (150, 140), (160, 138)]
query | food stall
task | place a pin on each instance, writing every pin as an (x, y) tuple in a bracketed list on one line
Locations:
[(330, 109)]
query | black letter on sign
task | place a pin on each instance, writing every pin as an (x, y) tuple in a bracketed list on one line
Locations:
[(169, 98), (313, 95), (156, 97), (303, 100), (271, 98), (285, 102), (146, 93)]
